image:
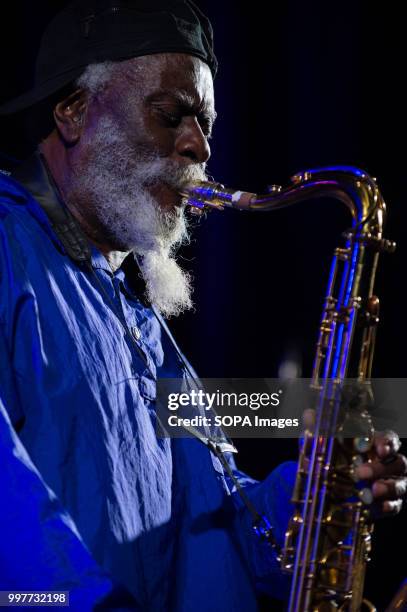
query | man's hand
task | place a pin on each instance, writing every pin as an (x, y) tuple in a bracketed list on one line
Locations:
[(387, 471)]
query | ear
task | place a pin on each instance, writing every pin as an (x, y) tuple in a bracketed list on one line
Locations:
[(70, 115)]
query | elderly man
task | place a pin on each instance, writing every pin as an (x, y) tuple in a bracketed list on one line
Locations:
[(83, 339)]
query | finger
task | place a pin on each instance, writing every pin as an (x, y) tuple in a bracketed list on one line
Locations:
[(392, 507), (379, 469), (390, 489), (386, 508), (386, 443)]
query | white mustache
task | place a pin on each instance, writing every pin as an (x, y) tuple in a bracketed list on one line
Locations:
[(170, 173)]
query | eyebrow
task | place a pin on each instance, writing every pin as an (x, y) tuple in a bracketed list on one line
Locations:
[(183, 98)]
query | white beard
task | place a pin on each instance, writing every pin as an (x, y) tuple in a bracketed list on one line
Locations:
[(115, 181)]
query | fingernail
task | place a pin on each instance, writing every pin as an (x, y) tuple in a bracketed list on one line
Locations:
[(392, 507)]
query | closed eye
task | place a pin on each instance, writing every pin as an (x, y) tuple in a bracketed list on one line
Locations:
[(206, 126), (171, 119)]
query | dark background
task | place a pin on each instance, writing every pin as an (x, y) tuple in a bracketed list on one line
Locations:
[(300, 84)]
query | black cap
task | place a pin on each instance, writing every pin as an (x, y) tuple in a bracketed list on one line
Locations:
[(89, 31)]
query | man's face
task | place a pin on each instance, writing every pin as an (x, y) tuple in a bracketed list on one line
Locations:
[(145, 135), (174, 116), (164, 104)]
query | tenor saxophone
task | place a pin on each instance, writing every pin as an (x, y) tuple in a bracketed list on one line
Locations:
[(328, 539)]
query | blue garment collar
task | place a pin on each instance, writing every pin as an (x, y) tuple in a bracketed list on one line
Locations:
[(46, 204), (35, 177)]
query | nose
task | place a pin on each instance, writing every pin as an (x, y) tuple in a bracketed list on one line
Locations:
[(192, 142)]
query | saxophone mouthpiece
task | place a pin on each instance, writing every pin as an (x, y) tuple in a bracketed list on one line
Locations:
[(204, 194)]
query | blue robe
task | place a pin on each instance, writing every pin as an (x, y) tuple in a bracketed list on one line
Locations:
[(158, 515)]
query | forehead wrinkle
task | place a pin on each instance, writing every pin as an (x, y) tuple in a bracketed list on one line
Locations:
[(146, 67), (140, 78), (136, 72), (186, 99)]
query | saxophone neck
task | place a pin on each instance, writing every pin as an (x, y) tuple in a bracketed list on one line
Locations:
[(352, 186)]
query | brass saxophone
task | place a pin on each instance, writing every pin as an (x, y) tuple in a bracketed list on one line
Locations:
[(328, 538)]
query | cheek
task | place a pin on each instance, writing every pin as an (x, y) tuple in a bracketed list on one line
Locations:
[(156, 140), (147, 134)]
